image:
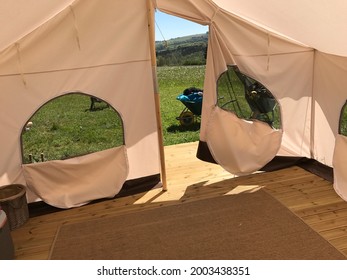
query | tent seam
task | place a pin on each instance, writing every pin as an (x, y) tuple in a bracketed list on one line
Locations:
[(269, 54), (73, 69)]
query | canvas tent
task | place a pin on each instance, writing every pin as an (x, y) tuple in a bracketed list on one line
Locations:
[(50, 48), (101, 48), (296, 50)]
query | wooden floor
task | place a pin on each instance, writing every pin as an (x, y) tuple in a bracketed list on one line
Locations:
[(310, 197)]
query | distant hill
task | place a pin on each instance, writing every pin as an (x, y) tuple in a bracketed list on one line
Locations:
[(187, 50)]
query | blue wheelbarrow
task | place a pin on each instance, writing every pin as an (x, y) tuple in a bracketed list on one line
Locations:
[(192, 100)]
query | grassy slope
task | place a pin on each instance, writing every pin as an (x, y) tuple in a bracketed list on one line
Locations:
[(188, 50)]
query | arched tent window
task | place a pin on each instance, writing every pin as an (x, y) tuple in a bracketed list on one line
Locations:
[(339, 157), (69, 126), (343, 120), (247, 98)]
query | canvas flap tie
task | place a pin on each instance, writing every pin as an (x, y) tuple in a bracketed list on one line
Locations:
[(214, 14)]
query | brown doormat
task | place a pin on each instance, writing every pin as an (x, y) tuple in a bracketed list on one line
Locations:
[(251, 226)]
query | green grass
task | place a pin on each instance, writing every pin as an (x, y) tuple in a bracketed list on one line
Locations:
[(65, 128), (231, 96), (172, 82), (343, 121)]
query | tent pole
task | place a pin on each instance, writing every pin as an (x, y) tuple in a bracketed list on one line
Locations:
[(151, 29)]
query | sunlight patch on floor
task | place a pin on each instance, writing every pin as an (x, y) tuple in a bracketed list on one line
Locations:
[(149, 196), (244, 189)]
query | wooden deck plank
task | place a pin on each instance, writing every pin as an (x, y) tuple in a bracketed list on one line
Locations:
[(335, 233), (311, 198)]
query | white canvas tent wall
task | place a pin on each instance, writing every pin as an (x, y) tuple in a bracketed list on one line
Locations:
[(297, 50), (101, 48), (49, 48)]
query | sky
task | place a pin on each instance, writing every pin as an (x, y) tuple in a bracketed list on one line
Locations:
[(168, 27)]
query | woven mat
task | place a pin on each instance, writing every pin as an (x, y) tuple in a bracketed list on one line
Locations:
[(244, 227)]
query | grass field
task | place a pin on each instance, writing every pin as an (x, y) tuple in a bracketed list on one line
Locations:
[(65, 128), (172, 82)]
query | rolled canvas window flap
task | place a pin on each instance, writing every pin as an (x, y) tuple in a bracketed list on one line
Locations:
[(77, 181), (239, 146), (340, 166)]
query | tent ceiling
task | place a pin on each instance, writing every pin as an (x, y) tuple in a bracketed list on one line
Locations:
[(318, 24), (19, 18), (302, 20)]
